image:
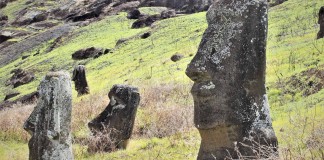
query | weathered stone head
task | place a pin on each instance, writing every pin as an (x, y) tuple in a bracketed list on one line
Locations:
[(321, 23), (50, 122), (229, 93), (80, 80), (119, 115)]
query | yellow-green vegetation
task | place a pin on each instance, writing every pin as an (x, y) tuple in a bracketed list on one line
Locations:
[(294, 58)]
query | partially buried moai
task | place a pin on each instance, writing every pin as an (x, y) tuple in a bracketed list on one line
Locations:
[(320, 33), (50, 122), (230, 101), (117, 120), (80, 80)]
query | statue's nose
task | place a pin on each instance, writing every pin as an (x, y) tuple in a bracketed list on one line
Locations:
[(197, 70)]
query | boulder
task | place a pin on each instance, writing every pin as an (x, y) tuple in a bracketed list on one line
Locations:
[(134, 14), (168, 14), (3, 3), (320, 33), (3, 17), (20, 77), (11, 95), (145, 21), (50, 122), (80, 80), (117, 120), (91, 52), (176, 57), (146, 35), (29, 98), (231, 109), (30, 16), (4, 36)]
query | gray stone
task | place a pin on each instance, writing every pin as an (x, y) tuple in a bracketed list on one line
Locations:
[(230, 102), (80, 80), (30, 17), (117, 119), (320, 33), (50, 122)]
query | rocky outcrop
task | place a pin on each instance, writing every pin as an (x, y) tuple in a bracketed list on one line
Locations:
[(186, 6), (80, 80), (148, 20), (91, 52), (20, 77), (320, 33), (50, 122), (230, 101), (29, 98), (117, 120), (30, 16)]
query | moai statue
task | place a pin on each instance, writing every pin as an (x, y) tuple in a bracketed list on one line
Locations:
[(117, 120), (80, 80), (231, 108), (50, 122), (320, 33)]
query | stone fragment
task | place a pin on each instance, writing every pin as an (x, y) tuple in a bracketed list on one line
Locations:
[(50, 122), (80, 80), (231, 109), (30, 16), (168, 14), (146, 35), (320, 33), (91, 52), (11, 95), (117, 120), (134, 14), (176, 57), (20, 77)]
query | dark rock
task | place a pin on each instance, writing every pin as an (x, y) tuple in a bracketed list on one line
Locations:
[(30, 16), (43, 25), (3, 3), (146, 35), (277, 2), (29, 98), (121, 41), (20, 77), (24, 57), (3, 17), (168, 13), (134, 14), (186, 6), (145, 21), (11, 95), (177, 57), (50, 122), (230, 101), (91, 52), (5, 36), (118, 118), (320, 33), (80, 80)]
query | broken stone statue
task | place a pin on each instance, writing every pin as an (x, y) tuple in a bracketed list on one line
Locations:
[(117, 120), (80, 80), (50, 122), (231, 109)]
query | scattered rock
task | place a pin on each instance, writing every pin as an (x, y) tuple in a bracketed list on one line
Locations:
[(320, 33), (20, 77), (80, 80), (31, 16), (121, 41), (11, 95), (3, 17), (134, 14), (146, 35), (24, 57), (117, 120), (91, 52), (4, 36), (50, 122), (230, 101), (3, 3), (145, 21), (185, 6), (168, 14), (177, 57), (29, 98)]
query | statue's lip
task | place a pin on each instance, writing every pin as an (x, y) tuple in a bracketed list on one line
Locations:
[(203, 89)]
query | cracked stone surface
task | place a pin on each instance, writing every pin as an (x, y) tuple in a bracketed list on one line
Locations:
[(231, 105)]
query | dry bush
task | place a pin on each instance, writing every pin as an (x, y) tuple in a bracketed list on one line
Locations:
[(164, 110), (102, 142), (12, 121)]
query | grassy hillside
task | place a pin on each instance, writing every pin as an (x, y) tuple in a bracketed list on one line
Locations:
[(294, 63)]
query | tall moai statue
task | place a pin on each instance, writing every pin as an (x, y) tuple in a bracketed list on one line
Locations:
[(80, 80), (50, 122), (117, 120), (231, 109), (320, 33)]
